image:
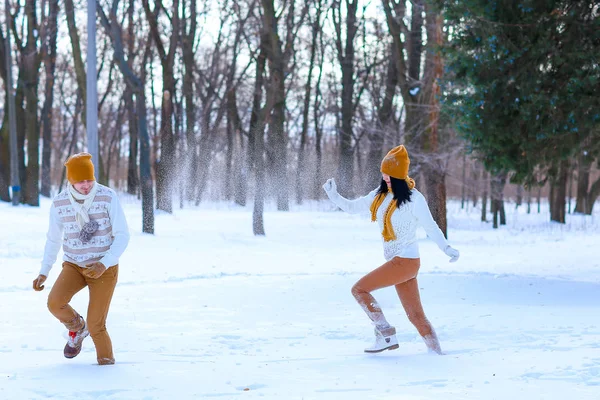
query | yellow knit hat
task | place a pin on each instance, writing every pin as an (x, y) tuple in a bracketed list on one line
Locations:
[(80, 168), (396, 163)]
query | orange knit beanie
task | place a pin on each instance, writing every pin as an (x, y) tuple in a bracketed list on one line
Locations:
[(80, 168), (395, 164)]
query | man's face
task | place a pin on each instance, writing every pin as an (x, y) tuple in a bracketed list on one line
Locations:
[(84, 187)]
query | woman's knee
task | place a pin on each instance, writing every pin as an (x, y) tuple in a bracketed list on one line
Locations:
[(357, 290)]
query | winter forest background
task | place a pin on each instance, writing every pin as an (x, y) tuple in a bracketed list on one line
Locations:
[(255, 101)]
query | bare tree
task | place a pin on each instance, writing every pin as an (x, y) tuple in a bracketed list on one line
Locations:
[(238, 161), (29, 70), (346, 55), (384, 124), (420, 90), (166, 166), (77, 55), (50, 69), (435, 167), (211, 84), (113, 30)]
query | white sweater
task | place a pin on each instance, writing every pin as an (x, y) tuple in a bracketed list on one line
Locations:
[(106, 245), (405, 221)]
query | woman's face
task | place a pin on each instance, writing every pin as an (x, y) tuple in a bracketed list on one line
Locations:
[(386, 178), (84, 187)]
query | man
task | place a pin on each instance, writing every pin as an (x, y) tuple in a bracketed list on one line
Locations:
[(88, 220)]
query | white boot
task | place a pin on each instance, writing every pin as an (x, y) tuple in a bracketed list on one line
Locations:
[(384, 340)]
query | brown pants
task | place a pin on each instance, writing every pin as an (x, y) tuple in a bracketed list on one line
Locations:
[(70, 281), (401, 273)]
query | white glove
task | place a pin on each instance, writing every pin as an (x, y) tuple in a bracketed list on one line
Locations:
[(452, 253), (330, 186)]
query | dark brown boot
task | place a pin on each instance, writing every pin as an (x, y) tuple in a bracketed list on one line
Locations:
[(73, 346)]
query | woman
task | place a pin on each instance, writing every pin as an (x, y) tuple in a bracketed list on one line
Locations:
[(399, 208)]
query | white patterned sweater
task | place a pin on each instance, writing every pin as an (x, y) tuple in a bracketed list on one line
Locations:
[(405, 221), (106, 245)]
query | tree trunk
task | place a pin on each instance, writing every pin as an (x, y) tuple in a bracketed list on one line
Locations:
[(497, 184), (519, 201), (463, 194), (4, 160), (238, 166), (4, 132), (434, 167), (166, 166), (30, 63), (133, 178), (583, 181), (436, 198), (570, 193), (257, 131), (475, 183), (346, 55), (559, 193), (484, 197), (145, 166), (593, 196), (301, 169), (318, 174), (187, 46), (277, 133), (21, 129), (50, 66)]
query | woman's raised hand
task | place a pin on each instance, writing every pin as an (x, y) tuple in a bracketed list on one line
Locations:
[(330, 186)]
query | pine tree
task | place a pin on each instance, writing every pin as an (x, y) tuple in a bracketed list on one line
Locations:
[(522, 82)]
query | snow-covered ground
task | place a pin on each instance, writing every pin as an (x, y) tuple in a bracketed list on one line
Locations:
[(204, 309)]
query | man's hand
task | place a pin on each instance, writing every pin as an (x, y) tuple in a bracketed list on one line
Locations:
[(38, 283), (94, 270)]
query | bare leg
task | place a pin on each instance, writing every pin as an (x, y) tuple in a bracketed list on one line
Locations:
[(391, 273), (411, 301)]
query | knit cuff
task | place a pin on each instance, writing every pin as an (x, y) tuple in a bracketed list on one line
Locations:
[(45, 270)]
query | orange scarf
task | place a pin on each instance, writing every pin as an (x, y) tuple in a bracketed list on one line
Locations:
[(388, 231)]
